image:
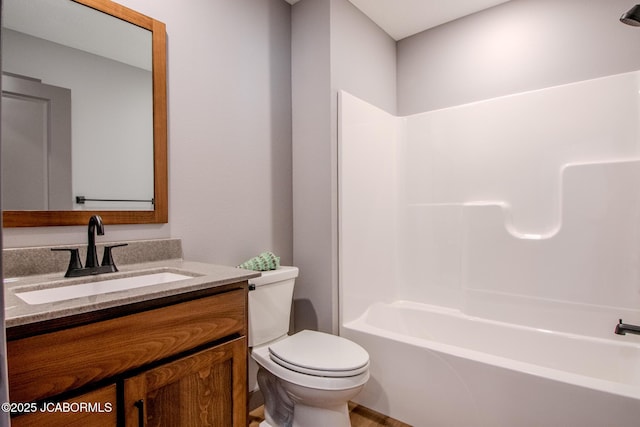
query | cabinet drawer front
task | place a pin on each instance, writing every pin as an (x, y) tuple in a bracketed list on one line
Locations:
[(49, 364), (102, 414)]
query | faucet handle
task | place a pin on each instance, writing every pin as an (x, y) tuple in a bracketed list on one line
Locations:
[(107, 259), (74, 260)]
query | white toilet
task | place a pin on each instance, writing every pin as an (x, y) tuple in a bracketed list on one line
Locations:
[(307, 378)]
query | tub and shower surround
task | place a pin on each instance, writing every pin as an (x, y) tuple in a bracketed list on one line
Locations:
[(522, 210)]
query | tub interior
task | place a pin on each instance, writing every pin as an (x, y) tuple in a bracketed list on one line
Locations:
[(454, 332)]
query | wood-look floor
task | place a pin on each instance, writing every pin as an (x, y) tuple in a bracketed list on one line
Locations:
[(359, 415)]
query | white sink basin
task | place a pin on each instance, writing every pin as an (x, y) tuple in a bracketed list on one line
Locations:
[(61, 293)]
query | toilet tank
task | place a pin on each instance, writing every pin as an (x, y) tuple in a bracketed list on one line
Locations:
[(270, 298)]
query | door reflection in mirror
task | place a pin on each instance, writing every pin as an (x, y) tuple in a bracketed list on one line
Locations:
[(36, 145)]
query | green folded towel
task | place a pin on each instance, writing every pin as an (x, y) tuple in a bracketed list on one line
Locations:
[(263, 262)]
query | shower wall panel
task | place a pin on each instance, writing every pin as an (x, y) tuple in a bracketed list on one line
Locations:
[(367, 172), (532, 198)]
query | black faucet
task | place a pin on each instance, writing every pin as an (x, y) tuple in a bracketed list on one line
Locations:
[(623, 328), (91, 266), (95, 225)]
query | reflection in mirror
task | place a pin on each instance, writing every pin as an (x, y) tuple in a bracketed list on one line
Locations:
[(36, 145), (95, 84)]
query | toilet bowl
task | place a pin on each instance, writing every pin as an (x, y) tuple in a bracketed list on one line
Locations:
[(307, 378)]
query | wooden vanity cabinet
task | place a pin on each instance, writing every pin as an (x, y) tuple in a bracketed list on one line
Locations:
[(183, 364)]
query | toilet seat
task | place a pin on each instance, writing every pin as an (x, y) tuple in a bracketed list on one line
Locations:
[(320, 354), (262, 357), (354, 375)]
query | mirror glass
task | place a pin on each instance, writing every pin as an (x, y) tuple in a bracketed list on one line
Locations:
[(83, 113)]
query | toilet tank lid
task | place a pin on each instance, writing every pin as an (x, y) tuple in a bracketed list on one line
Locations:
[(271, 276)]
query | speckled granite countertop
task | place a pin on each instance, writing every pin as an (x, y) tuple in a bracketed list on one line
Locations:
[(205, 276)]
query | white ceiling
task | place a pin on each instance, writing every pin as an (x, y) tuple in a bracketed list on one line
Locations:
[(403, 18)]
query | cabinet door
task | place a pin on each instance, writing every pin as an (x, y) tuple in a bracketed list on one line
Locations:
[(96, 408), (207, 388)]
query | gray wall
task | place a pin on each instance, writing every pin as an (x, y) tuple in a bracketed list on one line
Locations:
[(517, 46), (229, 93), (312, 192), (363, 57), (334, 47)]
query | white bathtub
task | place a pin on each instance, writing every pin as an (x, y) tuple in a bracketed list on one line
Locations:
[(433, 367)]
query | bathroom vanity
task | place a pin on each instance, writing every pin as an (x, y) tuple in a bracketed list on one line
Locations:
[(168, 354)]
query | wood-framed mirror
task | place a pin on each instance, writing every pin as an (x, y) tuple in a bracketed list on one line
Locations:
[(79, 213)]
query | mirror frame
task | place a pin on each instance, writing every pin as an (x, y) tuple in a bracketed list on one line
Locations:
[(160, 213)]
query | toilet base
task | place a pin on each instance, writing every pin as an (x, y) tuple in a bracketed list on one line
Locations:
[(292, 405), (311, 416)]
